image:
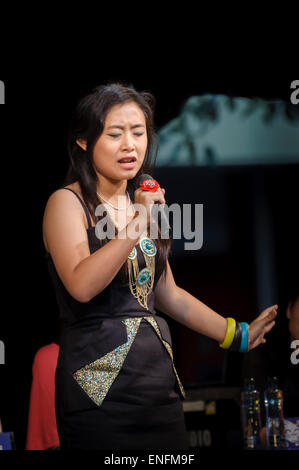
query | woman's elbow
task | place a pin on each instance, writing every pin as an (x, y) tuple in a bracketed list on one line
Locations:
[(82, 298), (79, 292), (80, 295), (84, 294)]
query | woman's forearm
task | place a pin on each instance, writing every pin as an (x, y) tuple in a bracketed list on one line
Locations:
[(191, 312), (96, 271)]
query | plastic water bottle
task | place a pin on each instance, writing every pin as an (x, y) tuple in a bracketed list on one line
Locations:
[(273, 398), (251, 415)]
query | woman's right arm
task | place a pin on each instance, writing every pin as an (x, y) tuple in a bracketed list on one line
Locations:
[(85, 275)]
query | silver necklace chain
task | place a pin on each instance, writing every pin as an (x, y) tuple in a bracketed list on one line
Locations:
[(116, 208)]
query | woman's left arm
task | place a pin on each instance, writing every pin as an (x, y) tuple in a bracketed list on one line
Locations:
[(191, 312)]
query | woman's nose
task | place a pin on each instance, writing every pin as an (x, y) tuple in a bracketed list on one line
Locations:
[(128, 143)]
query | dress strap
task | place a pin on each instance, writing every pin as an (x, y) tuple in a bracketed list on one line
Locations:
[(84, 207)]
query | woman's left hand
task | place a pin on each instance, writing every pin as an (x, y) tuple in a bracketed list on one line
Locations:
[(260, 326)]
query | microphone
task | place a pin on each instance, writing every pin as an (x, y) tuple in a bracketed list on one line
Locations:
[(164, 227)]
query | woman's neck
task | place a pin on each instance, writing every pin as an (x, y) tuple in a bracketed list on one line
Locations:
[(111, 190)]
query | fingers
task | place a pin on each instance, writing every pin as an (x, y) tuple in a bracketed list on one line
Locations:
[(268, 322), (273, 307), (261, 326), (269, 327), (270, 316), (159, 196), (148, 197), (267, 311), (163, 199)]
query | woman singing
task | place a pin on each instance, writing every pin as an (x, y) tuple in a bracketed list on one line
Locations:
[(116, 383)]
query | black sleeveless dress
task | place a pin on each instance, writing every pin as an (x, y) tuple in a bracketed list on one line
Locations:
[(116, 386)]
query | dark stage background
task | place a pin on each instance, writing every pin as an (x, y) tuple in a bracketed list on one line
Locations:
[(227, 273)]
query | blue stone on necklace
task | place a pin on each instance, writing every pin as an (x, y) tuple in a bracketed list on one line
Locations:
[(143, 276), (148, 247)]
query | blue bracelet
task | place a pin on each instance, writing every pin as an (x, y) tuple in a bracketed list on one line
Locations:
[(244, 340)]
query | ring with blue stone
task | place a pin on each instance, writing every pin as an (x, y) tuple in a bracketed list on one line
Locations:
[(143, 277), (148, 247)]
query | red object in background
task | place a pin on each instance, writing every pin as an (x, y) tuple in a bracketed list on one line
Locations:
[(150, 185), (42, 429)]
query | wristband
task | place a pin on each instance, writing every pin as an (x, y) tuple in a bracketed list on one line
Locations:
[(244, 340), (230, 333), (235, 346)]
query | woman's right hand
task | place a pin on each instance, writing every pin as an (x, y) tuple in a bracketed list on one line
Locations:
[(147, 199)]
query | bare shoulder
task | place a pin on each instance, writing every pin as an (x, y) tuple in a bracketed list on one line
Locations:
[(62, 195), (75, 187), (63, 210), (65, 236), (61, 201)]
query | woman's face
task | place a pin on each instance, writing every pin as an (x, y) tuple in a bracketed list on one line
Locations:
[(124, 137)]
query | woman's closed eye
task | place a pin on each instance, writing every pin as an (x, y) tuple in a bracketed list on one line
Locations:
[(138, 134), (114, 135)]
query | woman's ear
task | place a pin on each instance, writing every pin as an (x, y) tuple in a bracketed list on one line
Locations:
[(81, 143)]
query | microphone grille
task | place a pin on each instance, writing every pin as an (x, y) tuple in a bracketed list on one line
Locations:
[(144, 177)]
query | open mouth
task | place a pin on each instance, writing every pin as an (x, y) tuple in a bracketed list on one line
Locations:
[(127, 162)]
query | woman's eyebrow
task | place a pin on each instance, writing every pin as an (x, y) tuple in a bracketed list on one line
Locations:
[(122, 127)]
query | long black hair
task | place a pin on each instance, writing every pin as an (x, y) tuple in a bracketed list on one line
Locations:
[(87, 123)]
